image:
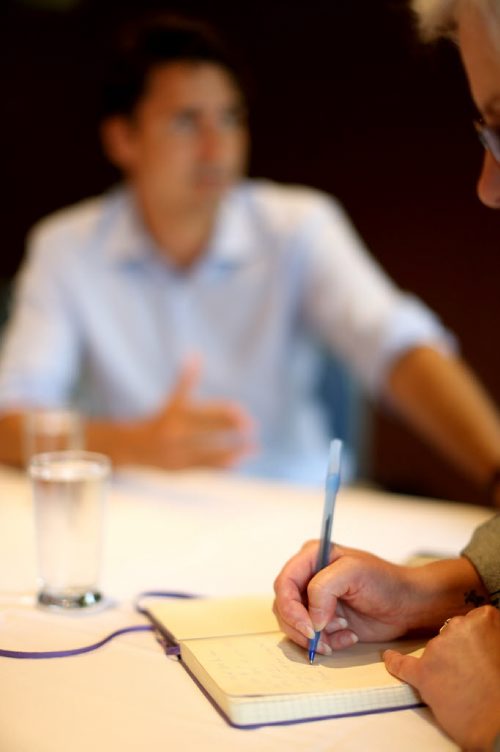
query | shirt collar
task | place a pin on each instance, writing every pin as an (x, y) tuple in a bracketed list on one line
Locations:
[(233, 241), (129, 241)]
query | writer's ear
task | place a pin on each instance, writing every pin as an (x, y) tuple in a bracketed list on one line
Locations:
[(118, 141)]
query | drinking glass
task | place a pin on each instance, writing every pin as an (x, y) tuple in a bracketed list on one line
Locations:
[(69, 491)]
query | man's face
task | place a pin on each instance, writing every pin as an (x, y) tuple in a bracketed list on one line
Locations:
[(186, 142), (481, 58)]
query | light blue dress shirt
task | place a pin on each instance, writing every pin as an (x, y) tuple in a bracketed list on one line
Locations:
[(103, 321)]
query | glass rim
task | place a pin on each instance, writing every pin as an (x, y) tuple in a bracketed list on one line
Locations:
[(44, 459)]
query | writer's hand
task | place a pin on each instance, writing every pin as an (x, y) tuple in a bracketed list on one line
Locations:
[(356, 597), (458, 676), (188, 432)]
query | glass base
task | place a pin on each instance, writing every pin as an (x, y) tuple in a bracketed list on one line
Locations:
[(68, 601)]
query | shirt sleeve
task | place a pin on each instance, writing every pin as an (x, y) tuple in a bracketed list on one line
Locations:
[(354, 306), (483, 551), (39, 356)]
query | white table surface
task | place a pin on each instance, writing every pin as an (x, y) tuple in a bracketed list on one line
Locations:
[(200, 533)]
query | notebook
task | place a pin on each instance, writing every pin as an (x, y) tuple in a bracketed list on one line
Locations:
[(256, 676)]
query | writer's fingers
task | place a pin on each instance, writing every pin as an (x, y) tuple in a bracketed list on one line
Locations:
[(338, 634), (298, 570), (290, 588), (303, 634), (323, 592), (337, 551), (290, 611), (404, 667), (294, 634)]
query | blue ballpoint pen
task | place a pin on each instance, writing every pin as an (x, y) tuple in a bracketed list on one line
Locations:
[(331, 487)]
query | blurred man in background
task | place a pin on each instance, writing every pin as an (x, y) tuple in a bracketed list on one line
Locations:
[(181, 311)]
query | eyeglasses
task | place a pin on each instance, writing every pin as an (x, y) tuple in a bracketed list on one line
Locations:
[(489, 137)]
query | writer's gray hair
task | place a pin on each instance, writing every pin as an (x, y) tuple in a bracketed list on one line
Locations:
[(437, 18)]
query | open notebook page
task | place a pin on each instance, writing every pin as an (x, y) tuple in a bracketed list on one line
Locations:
[(213, 617), (269, 664)]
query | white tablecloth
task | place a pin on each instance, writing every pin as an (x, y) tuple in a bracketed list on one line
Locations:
[(199, 533)]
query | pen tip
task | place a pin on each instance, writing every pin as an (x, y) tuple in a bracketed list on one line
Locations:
[(311, 658)]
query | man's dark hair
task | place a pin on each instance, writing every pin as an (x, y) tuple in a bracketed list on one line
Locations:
[(157, 40)]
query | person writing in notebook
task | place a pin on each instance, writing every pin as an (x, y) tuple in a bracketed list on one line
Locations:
[(361, 597), (186, 256)]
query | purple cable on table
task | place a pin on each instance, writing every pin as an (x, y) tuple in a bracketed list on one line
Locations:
[(169, 649)]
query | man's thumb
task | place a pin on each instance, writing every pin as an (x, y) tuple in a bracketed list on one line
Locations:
[(187, 382)]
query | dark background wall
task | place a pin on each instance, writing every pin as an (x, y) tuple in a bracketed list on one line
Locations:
[(346, 100)]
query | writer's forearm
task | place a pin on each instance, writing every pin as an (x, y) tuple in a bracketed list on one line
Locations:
[(444, 402), (442, 589)]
